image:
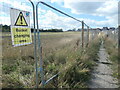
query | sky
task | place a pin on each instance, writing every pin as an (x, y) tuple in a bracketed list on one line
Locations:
[(95, 13)]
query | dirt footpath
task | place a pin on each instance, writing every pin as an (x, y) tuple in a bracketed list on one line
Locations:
[(102, 74)]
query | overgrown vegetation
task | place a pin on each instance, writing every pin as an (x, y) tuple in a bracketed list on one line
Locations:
[(77, 72), (62, 52), (112, 49)]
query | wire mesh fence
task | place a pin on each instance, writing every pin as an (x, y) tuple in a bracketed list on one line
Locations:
[(58, 49)]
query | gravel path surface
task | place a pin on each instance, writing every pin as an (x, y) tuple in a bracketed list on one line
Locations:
[(102, 74)]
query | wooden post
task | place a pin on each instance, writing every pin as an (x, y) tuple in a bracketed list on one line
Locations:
[(92, 34), (88, 36), (82, 34)]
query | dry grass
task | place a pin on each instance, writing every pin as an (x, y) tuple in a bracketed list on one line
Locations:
[(112, 49), (62, 52)]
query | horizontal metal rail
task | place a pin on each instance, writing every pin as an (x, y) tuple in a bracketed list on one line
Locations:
[(60, 11), (38, 37), (51, 78), (86, 25)]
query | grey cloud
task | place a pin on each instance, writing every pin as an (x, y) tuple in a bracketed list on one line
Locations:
[(84, 7)]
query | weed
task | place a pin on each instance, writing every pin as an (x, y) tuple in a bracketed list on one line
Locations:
[(112, 50), (61, 53)]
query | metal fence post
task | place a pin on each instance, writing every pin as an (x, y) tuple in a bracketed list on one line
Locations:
[(87, 36), (35, 45), (119, 39), (39, 47), (82, 34)]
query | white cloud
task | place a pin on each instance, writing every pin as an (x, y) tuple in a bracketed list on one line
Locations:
[(19, 4), (58, 1), (83, 7), (90, 7), (50, 19), (7, 4), (5, 20), (106, 8)]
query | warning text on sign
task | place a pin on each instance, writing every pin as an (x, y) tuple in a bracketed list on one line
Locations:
[(21, 36)]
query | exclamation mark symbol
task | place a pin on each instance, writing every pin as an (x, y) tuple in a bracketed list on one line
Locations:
[(21, 17)]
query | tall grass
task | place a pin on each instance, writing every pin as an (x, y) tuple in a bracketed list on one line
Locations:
[(112, 49), (76, 72), (61, 53)]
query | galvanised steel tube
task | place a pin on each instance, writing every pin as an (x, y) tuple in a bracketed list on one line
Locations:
[(60, 11), (39, 47), (35, 45)]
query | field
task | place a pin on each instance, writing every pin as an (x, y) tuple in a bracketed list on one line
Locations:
[(62, 52)]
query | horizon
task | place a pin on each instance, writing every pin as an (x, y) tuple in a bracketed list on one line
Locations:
[(96, 14)]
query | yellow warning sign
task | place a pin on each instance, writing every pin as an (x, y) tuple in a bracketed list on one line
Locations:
[(21, 20), (21, 36)]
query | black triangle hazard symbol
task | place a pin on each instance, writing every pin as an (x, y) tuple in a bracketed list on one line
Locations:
[(21, 20)]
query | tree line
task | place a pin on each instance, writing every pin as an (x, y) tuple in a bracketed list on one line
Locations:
[(6, 28)]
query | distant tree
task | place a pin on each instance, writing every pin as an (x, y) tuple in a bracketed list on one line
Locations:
[(74, 29), (5, 28), (79, 30), (51, 30), (71, 30)]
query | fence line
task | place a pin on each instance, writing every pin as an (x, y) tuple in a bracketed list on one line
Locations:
[(35, 42)]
